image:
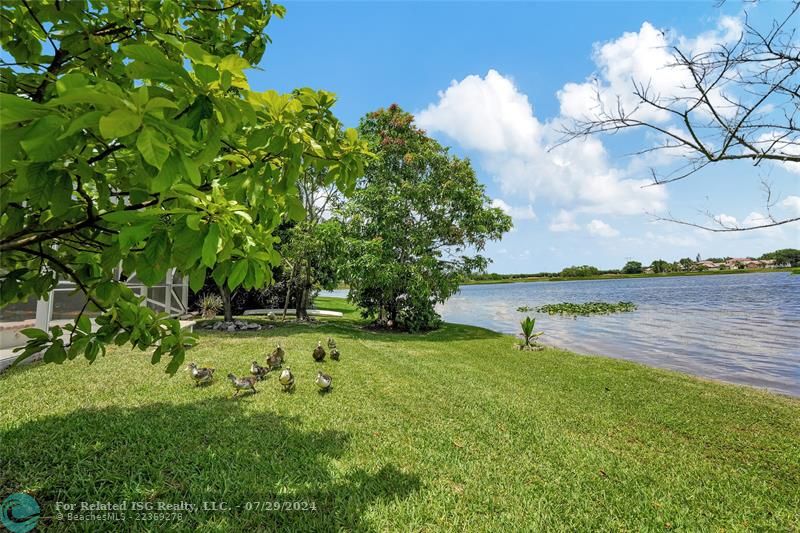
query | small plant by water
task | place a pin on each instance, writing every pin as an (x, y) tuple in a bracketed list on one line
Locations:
[(587, 308), (529, 337)]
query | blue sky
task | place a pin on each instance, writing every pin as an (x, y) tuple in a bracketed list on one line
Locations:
[(494, 80)]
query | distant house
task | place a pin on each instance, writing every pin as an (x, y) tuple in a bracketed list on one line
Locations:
[(709, 265), (738, 262), (769, 263)]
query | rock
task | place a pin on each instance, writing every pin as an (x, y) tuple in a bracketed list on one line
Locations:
[(231, 328)]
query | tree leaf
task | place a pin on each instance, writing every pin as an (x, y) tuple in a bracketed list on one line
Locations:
[(238, 273), (153, 147), (210, 245), (191, 170), (34, 333), (15, 109), (119, 123)]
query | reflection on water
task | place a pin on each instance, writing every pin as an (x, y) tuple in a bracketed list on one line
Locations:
[(742, 328)]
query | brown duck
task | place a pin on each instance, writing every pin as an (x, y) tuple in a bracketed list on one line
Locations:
[(201, 375), (319, 353), (258, 371), (275, 360), (245, 383)]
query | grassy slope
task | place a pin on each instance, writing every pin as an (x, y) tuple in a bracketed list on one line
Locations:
[(625, 276), (449, 430)]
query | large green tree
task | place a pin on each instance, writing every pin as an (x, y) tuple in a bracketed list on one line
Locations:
[(415, 224), (132, 142)]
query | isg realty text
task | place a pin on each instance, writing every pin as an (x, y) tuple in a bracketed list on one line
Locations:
[(126, 505)]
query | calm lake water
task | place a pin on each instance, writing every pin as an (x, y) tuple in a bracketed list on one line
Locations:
[(742, 328)]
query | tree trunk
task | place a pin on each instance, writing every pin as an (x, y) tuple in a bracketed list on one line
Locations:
[(289, 284), (225, 292), (304, 295)]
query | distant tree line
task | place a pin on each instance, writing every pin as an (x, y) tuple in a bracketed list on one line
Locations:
[(784, 257)]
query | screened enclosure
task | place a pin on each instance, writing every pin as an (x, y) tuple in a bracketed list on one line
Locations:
[(65, 304)]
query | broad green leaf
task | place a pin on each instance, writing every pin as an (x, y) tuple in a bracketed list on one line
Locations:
[(119, 123), (238, 273), (160, 103), (205, 73), (190, 169), (197, 278), (15, 109), (153, 146), (210, 246), (41, 142), (84, 324), (34, 333), (169, 173)]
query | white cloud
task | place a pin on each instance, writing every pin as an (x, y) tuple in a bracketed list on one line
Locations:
[(601, 229), (563, 221), (517, 213), (645, 56), (792, 203), (490, 115)]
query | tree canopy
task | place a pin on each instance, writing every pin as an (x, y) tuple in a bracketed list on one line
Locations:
[(413, 223), (132, 142)]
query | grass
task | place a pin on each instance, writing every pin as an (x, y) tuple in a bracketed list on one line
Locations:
[(625, 276), (449, 430)]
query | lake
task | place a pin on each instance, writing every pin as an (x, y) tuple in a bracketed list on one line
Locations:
[(742, 328)]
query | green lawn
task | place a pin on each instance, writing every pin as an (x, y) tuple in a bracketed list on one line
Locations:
[(451, 430)]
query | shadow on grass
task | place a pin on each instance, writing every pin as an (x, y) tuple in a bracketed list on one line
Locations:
[(360, 330), (209, 451)]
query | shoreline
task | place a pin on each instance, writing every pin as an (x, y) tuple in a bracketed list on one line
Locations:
[(627, 276)]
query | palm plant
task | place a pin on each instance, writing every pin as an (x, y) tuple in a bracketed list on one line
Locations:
[(528, 335), (210, 304)]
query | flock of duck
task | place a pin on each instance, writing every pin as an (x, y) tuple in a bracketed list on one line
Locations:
[(204, 375)]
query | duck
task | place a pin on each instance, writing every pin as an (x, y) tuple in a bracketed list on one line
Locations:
[(287, 379), (323, 381), (331, 343), (200, 375), (319, 353), (335, 353), (275, 360), (245, 383), (258, 371)]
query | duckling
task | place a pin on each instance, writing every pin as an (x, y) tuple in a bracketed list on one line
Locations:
[(335, 353), (258, 371), (323, 381), (275, 360), (200, 375), (331, 343), (245, 383), (319, 353), (287, 379)]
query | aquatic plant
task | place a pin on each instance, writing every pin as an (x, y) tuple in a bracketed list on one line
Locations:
[(525, 309), (528, 335), (587, 308)]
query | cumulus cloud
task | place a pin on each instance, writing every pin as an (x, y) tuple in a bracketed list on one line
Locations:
[(601, 229), (517, 213), (563, 221), (491, 116), (792, 203), (645, 56)]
